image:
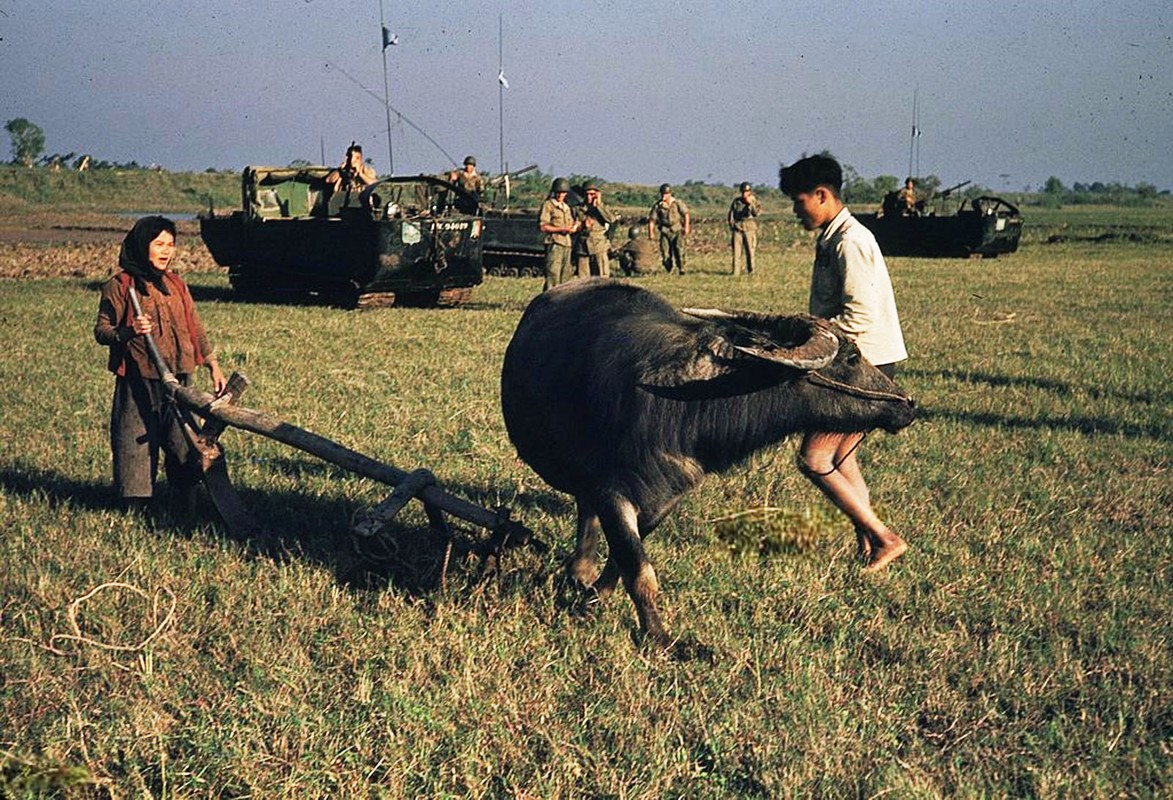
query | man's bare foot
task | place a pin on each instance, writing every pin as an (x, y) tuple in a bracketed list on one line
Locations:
[(863, 547), (885, 552)]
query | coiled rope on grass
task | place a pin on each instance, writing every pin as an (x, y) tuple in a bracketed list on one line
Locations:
[(78, 637)]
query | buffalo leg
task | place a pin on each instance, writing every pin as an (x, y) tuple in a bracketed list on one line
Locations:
[(607, 580), (583, 564), (620, 524)]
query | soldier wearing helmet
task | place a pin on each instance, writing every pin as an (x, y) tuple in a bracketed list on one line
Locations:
[(472, 183), (556, 220), (670, 219), (743, 228), (590, 251)]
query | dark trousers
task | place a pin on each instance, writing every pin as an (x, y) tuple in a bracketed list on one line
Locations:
[(142, 422)]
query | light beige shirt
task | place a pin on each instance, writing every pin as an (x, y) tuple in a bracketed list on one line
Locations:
[(851, 287), (557, 215)]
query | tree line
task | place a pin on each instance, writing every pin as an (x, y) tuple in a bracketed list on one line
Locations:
[(28, 150)]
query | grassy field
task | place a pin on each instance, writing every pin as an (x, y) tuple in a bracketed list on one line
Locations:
[(1022, 648)]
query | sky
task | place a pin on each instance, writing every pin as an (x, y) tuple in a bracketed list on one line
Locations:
[(1007, 93)]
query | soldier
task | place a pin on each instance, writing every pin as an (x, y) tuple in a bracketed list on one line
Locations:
[(907, 199), (592, 243), (353, 173), (670, 218), (471, 181), (743, 226), (556, 220), (350, 181), (638, 256)]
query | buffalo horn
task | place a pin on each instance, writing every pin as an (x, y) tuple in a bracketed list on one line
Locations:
[(816, 351)]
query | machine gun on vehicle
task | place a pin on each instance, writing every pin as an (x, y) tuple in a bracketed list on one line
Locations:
[(502, 184), (946, 192)]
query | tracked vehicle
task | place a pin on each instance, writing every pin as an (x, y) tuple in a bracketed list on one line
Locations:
[(403, 240), (983, 227)]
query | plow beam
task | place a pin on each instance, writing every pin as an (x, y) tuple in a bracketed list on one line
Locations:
[(506, 532)]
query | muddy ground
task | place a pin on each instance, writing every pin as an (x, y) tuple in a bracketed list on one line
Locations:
[(48, 244)]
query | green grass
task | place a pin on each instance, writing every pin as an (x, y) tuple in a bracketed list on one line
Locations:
[(116, 190), (1020, 649)]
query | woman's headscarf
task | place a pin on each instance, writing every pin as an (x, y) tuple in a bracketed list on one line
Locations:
[(134, 257)]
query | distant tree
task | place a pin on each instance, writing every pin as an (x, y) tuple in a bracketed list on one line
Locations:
[(1146, 191), (299, 162), (1054, 186), (882, 184), (28, 141)]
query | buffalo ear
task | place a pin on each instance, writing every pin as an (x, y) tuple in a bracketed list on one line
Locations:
[(712, 359)]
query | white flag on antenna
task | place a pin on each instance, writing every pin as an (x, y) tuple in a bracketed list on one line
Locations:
[(501, 79)]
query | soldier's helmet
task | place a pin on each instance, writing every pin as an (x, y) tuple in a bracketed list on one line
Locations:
[(665, 188), (470, 160), (745, 187), (559, 185)]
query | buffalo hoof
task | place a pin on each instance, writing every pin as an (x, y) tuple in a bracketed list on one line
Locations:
[(583, 571)]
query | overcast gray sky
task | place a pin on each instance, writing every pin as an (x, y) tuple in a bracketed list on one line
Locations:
[(1009, 93)]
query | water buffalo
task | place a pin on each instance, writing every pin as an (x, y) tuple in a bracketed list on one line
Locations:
[(612, 395)]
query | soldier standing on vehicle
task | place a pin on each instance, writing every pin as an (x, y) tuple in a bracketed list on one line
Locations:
[(743, 226), (556, 220), (907, 201), (471, 181), (592, 243), (669, 217), (349, 182), (353, 173)]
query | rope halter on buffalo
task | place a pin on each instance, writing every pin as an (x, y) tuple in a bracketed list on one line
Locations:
[(837, 386)]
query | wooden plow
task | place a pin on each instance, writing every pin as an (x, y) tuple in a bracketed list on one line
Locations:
[(217, 413)]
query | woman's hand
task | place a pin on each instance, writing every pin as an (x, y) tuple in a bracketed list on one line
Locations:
[(142, 325), (219, 382)]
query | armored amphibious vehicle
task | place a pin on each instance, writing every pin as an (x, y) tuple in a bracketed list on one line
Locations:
[(403, 240), (983, 227)]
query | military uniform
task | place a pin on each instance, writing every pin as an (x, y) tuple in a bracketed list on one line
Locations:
[(474, 185), (592, 244), (669, 221), (557, 214), (743, 225), (639, 255)]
